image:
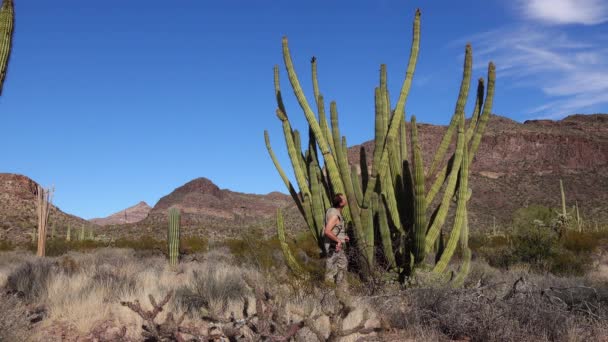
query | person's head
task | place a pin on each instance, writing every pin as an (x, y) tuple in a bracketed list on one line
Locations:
[(339, 201)]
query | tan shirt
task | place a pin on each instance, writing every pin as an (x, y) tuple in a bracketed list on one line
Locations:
[(338, 229)]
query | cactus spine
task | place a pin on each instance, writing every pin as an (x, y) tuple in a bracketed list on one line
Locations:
[(390, 199), (173, 236)]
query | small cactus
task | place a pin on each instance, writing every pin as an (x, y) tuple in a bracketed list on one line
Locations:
[(173, 236)]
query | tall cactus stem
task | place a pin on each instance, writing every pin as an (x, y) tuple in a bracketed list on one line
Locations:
[(420, 222), (173, 236), (460, 104), (7, 22), (330, 161), (290, 260), (563, 197), (461, 213)]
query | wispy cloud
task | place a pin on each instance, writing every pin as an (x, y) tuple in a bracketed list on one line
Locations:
[(572, 73), (586, 12)]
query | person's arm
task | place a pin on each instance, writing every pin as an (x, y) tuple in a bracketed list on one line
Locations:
[(328, 231)]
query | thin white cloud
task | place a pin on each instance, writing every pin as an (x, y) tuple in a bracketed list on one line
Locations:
[(573, 74), (586, 12)]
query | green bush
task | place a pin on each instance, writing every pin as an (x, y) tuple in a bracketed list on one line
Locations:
[(194, 244), (536, 240), (6, 245), (144, 243)]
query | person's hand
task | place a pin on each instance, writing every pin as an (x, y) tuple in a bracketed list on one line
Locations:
[(338, 246)]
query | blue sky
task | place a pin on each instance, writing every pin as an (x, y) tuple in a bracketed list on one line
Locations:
[(117, 101)]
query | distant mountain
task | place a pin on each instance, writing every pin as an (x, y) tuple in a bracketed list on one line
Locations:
[(132, 214), (521, 164), (213, 212), (18, 211)]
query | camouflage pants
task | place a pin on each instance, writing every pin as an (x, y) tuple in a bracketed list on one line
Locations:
[(335, 266)]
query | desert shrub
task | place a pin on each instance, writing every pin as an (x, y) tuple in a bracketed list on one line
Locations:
[(568, 263), (535, 239), (6, 245), (524, 217), (30, 280), (194, 244), (583, 241), (116, 282), (210, 290), (489, 314), (144, 243), (252, 249)]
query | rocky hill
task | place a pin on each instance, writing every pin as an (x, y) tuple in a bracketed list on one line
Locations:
[(132, 214), (213, 212), (521, 164), (18, 210)]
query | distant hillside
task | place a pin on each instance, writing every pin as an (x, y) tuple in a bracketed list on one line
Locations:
[(213, 212), (132, 214), (521, 164), (18, 210)]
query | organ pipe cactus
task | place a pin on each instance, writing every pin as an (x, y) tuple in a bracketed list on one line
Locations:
[(7, 22), (391, 199), (173, 236), (291, 261)]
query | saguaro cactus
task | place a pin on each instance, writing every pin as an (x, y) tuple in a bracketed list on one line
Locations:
[(68, 236), (390, 199), (173, 236)]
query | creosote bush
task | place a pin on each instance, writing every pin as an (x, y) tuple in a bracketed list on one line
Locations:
[(535, 239)]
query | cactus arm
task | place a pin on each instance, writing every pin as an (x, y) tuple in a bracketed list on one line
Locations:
[(385, 233), (173, 236), (292, 191), (563, 197), (420, 222), (461, 212), (320, 105), (356, 184), (476, 109), (290, 260), (330, 161), (444, 206), (409, 74), (295, 156), (463, 272), (460, 104), (7, 22), (352, 211), (476, 138), (380, 137), (485, 116), (318, 213), (68, 236)]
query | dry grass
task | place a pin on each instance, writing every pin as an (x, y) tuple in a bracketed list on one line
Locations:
[(78, 296), (491, 308)]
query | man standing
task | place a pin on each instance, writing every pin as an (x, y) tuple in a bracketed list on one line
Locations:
[(335, 237)]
